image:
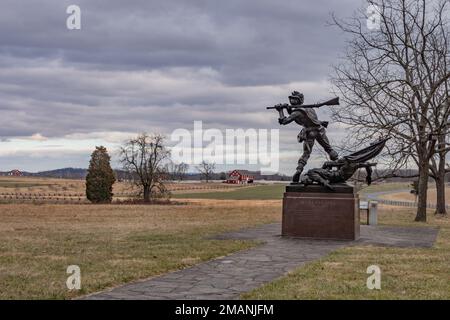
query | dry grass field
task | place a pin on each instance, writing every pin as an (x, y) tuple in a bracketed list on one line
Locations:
[(113, 244), (43, 185), (49, 190)]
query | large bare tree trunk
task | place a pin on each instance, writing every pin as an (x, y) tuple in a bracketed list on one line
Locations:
[(146, 193), (421, 214), (440, 186)]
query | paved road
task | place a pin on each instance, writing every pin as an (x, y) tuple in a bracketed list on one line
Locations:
[(228, 277), (400, 203)]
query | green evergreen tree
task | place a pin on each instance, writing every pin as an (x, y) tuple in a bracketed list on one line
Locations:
[(100, 177)]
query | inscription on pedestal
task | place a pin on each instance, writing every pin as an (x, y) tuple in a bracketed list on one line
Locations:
[(320, 215)]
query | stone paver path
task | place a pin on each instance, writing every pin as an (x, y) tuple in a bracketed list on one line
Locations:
[(228, 277)]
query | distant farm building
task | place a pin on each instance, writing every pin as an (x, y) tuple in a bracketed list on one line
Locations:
[(237, 177), (15, 173)]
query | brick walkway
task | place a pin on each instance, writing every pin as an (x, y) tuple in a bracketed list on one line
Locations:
[(228, 277)]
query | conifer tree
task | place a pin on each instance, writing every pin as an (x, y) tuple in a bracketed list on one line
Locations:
[(100, 177)]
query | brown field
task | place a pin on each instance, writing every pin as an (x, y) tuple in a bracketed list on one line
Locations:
[(114, 244), (32, 185), (50, 190)]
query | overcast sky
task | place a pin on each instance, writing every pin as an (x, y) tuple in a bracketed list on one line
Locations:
[(154, 66)]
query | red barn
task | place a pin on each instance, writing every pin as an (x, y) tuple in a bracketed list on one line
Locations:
[(15, 173), (239, 178)]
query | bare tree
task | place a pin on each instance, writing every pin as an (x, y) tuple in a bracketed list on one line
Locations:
[(182, 171), (177, 171), (438, 168), (144, 159), (206, 169), (394, 82)]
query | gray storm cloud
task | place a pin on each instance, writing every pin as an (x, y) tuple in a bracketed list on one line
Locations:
[(159, 65)]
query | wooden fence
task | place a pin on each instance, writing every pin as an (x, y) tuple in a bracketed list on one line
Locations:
[(56, 197)]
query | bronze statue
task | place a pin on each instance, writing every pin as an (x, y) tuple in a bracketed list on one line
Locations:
[(345, 167), (313, 129)]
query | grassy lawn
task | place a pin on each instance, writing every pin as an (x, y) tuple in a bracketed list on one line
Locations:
[(406, 273), (265, 192), (113, 244), (272, 191)]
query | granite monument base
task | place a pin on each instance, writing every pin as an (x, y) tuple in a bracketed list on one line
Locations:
[(318, 213)]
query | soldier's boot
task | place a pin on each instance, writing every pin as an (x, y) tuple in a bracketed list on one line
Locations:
[(296, 176), (298, 173)]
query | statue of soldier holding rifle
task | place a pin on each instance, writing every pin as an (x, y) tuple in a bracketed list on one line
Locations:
[(313, 129)]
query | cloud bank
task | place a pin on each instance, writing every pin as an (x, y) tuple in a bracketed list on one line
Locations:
[(156, 66)]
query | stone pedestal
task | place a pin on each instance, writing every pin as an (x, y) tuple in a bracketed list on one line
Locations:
[(318, 213)]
